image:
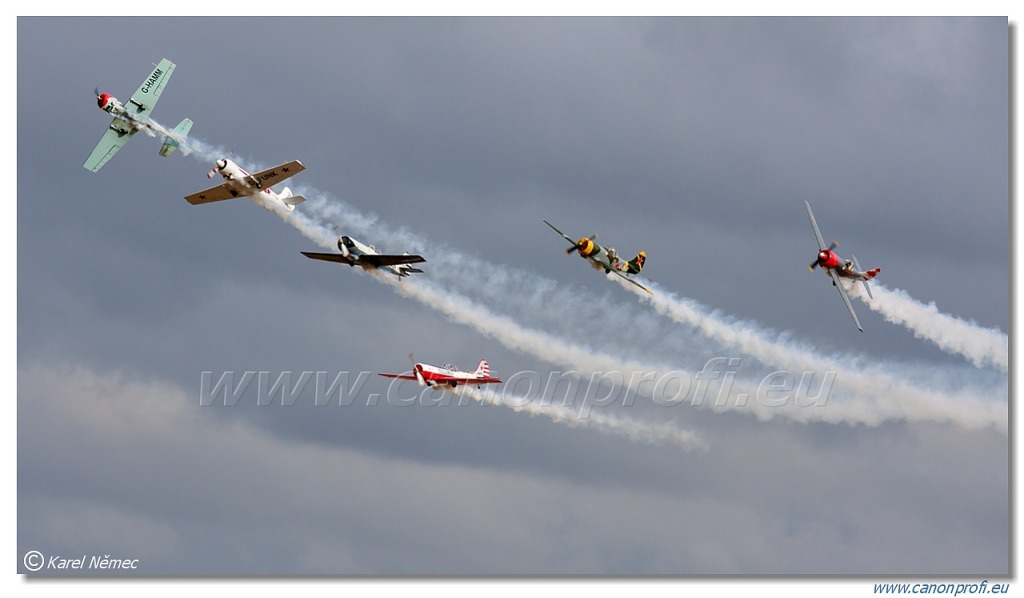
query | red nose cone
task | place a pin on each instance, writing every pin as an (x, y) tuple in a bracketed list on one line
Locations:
[(102, 100), (827, 259)]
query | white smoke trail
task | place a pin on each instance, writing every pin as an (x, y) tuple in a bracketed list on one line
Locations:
[(463, 272), (635, 430), (199, 149), (855, 376), (884, 396), (981, 346)]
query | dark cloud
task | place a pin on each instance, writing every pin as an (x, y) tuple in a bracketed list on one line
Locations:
[(696, 140)]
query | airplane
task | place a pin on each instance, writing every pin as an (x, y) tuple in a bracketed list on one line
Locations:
[(254, 186), (368, 258), (447, 377), (133, 117), (605, 258), (836, 267)]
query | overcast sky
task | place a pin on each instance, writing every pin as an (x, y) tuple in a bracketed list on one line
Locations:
[(696, 140)]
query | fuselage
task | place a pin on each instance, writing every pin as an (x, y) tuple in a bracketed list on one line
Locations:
[(112, 105), (601, 258), (352, 250), (830, 260), (447, 375), (240, 182), (351, 247)]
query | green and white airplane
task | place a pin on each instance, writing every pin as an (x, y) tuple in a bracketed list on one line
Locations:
[(133, 116)]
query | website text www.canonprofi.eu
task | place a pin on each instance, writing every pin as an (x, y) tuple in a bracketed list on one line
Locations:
[(717, 385)]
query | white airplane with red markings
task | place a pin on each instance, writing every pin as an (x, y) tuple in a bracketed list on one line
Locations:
[(256, 187), (836, 267), (447, 377)]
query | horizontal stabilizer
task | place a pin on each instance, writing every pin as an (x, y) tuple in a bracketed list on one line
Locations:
[(867, 288), (867, 275), (293, 201), (176, 138)]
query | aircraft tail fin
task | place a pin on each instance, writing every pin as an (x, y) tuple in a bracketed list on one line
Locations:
[(870, 274), (483, 369), (176, 138), (636, 265)]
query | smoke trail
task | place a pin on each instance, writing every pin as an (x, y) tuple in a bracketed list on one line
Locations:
[(884, 396), (981, 346), (199, 149), (857, 377), (770, 348), (635, 430)]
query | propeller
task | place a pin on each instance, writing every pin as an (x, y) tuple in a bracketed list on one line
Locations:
[(217, 167), (99, 97), (814, 264), (341, 241), (416, 371), (579, 245)]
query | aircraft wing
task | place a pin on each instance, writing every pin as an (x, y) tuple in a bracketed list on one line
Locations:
[(111, 141), (814, 223), (273, 176), (399, 376), (564, 236), (632, 281), (846, 298), (218, 193), (389, 260), (327, 257), (145, 97), (446, 379)]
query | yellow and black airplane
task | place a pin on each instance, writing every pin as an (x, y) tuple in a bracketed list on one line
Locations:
[(605, 258)]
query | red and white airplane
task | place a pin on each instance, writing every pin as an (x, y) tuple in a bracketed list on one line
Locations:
[(836, 267), (256, 187), (446, 377)]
